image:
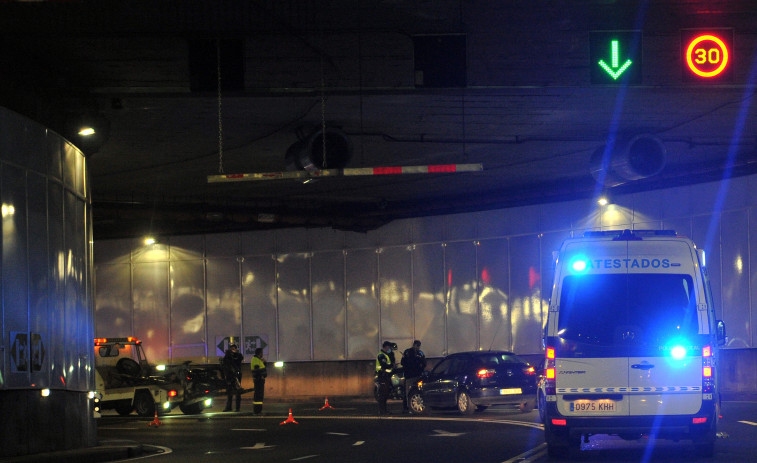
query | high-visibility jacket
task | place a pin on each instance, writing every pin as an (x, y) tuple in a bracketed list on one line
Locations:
[(383, 363), (257, 365)]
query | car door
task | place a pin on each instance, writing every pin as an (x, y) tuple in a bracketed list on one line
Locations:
[(432, 383)]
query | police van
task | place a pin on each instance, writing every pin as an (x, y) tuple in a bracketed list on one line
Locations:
[(631, 342)]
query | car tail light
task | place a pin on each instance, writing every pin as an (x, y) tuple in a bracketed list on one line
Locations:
[(172, 393), (550, 353), (708, 382), (559, 422), (529, 371), (484, 373), (699, 420)]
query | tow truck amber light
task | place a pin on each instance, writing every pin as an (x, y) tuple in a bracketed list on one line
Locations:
[(559, 422), (551, 353), (707, 351), (707, 372), (699, 420), (550, 373)]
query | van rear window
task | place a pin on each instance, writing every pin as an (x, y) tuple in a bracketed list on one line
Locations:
[(627, 309)]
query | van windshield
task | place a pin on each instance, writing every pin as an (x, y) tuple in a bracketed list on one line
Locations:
[(627, 309)]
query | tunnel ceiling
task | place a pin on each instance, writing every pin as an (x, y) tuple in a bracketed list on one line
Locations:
[(508, 85)]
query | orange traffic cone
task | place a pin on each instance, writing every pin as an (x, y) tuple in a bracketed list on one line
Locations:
[(326, 405), (289, 420), (155, 421)]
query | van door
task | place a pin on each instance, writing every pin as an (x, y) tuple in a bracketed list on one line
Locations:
[(591, 373), (665, 358)]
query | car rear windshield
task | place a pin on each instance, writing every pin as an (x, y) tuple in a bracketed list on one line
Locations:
[(627, 309)]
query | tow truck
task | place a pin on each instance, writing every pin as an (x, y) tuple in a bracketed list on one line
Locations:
[(126, 381)]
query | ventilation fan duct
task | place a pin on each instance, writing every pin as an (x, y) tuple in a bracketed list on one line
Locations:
[(640, 157), (308, 154)]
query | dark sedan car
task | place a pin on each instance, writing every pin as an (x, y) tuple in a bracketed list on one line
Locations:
[(471, 381)]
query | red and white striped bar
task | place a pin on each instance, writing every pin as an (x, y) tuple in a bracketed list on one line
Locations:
[(303, 175), (431, 169)]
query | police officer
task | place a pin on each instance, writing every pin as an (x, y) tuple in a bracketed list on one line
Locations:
[(232, 371), (257, 365), (414, 362), (384, 365)]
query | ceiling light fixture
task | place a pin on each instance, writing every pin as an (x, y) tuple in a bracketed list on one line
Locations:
[(86, 131), (150, 240), (603, 201)]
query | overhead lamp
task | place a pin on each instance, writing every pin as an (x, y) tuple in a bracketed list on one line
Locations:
[(86, 131), (602, 201)]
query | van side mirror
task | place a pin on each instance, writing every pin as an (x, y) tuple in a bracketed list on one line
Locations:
[(720, 332)]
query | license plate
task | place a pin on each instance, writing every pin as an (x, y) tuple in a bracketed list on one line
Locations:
[(600, 406), (512, 390)]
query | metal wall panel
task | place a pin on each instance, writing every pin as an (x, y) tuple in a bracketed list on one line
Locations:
[(734, 250), (329, 307), (57, 265), (223, 245), (71, 299), (186, 247), (151, 308), (259, 302), (39, 312), (113, 300), (395, 293), (525, 294), (706, 234), (362, 304), (462, 296), (293, 278), (188, 317), (751, 315), (15, 272), (429, 298), (494, 294), (224, 304)]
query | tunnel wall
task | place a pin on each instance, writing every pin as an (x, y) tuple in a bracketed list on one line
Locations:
[(47, 313), (458, 282)]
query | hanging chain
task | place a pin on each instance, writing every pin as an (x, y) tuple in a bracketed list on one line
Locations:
[(220, 121)]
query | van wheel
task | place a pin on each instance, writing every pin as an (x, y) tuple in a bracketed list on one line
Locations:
[(542, 406), (705, 444), (464, 404), (559, 446), (144, 404), (526, 406)]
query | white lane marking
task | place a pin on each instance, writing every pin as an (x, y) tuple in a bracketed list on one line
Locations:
[(258, 446), (304, 458), (529, 455), (360, 442), (443, 433), (338, 433), (247, 429), (749, 422)]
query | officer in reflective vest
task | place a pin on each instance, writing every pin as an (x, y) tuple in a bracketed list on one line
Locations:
[(384, 376), (257, 365)]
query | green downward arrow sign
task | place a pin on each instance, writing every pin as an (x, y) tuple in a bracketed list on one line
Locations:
[(613, 68)]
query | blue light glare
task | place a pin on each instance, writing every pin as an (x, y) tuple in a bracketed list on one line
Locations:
[(678, 352), (579, 265)]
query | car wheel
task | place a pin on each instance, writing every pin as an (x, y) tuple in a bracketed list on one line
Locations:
[(542, 406), (193, 409), (416, 404), (143, 404), (124, 407), (464, 404)]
